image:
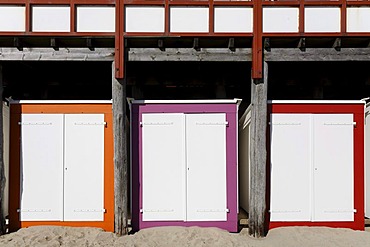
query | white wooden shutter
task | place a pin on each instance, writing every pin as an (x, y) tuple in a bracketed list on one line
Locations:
[(84, 167), (290, 167), (41, 195), (206, 167), (333, 167), (163, 164)]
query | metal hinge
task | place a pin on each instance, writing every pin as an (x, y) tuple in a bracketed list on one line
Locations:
[(89, 210), (37, 123), (33, 210), (353, 123), (91, 124)]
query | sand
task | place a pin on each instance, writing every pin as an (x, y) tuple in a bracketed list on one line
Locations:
[(185, 236)]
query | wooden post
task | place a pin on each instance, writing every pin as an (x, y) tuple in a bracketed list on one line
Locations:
[(120, 155), (258, 155), (2, 167)]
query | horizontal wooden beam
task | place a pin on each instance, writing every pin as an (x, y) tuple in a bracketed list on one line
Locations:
[(49, 54), (189, 54), (317, 54)]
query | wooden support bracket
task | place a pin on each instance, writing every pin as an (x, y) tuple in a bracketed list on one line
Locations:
[(302, 44), (267, 44), (18, 43), (337, 44), (54, 44), (231, 44), (90, 44), (196, 44), (161, 45)]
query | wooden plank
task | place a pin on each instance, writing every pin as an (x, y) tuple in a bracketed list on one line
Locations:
[(317, 54), (49, 54), (258, 154), (2, 167), (190, 54), (120, 155)]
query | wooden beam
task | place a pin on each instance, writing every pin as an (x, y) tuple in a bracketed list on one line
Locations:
[(49, 54), (2, 166), (120, 154), (196, 44), (90, 44), (302, 44), (189, 54), (18, 43), (231, 45), (258, 157), (267, 45), (54, 44), (161, 45), (337, 44)]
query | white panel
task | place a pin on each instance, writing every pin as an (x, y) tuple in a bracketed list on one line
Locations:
[(367, 162), (189, 19), (50, 19), (84, 167), (234, 19), (290, 167), (322, 19), (41, 167), (144, 19), (358, 19), (163, 167), (333, 167), (12, 18), (280, 20), (96, 19), (206, 167)]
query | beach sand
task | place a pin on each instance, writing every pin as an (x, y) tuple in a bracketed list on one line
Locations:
[(186, 236)]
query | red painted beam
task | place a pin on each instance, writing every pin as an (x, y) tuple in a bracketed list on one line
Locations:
[(257, 46), (119, 40)]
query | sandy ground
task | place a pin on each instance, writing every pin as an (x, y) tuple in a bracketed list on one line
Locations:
[(185, 236)]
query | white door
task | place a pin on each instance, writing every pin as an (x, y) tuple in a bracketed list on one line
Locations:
[(84, 167), (290, 167), (41, 195), (367, 161), (163, 167), (206, 167), (333, 167)]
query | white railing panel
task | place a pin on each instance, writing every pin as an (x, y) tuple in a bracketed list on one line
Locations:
[(233, 19), (96, 19), (12, 18), (144, 19), (51, 19)]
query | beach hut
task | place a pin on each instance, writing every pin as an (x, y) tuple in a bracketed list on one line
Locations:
[(184, 163), (315, 163), (61, 164)]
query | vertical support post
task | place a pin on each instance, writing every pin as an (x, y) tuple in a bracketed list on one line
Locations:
[(257, 45), (120, 155), (258, 157), (2, 165)]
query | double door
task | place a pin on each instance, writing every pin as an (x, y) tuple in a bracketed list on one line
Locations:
[(312, 164), (184, 167), (62, 167)]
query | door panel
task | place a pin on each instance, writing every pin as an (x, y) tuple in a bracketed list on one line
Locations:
[(206, 167), (333, 167), (41, 195), (84, 167), (291, 167), (163, 167)]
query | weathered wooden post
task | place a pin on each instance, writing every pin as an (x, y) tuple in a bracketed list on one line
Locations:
[(2, 167), (120, 155), (258, 155)]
